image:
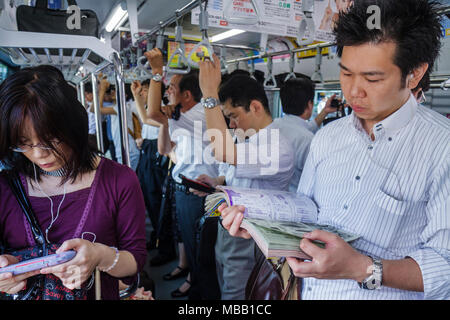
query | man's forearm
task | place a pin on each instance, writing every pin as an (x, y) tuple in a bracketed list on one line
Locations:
[(402, 274), (320, 117), (154, 101), (224, 147), (165, 145), (140, 106)]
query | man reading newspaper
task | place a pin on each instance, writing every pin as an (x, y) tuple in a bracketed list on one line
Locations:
[(383, 172)]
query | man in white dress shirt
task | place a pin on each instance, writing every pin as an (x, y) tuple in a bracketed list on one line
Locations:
[(297, 99), (184, 136), (245, 104), (384, 171)]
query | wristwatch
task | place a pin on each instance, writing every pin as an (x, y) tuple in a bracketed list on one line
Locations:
[(157, 77), (373, 281), (209, 103)]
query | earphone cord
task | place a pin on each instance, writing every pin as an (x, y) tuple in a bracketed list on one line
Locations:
[(51, 203)]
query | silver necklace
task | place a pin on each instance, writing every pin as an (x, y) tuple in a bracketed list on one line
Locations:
[(56, 173)]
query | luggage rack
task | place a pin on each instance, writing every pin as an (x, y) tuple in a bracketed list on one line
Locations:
[(66, 52)]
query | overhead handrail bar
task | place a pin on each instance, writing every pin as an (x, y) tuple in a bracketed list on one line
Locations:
[(228, 16), (121, 107), (291, 74), (181, 12), (49, 57), (270, 77), (283, 52), (60, 53), (98, 119), (445, 85), (21, 54), (179, 52), (35, 56), (72, 57), (205, 41)]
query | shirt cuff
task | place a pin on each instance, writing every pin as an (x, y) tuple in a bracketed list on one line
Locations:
[(435, 273)]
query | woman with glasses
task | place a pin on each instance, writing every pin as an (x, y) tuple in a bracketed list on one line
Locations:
[(82, 201)]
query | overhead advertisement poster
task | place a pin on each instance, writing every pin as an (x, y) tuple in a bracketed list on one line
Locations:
[(278, 17), (325, 14)]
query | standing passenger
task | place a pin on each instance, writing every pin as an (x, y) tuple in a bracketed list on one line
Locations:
[(81, 201)]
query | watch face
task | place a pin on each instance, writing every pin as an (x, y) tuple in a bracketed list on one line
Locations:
[(372, 283), (209, 102)]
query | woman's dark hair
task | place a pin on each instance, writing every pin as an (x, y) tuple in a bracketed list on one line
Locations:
[(189, 82), (241, 90), (413, 25), (295, 95), (42, 95)]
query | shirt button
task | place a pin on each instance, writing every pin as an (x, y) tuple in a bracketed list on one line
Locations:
[(345, 207), (309, 289), (390, 139), (370, 147), (357, 177)]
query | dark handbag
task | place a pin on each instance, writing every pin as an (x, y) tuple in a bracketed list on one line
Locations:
[(42, 19), (39, 287), (206, 276), (269, 281)]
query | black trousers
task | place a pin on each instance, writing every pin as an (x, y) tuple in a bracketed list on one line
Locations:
[(152, 170)]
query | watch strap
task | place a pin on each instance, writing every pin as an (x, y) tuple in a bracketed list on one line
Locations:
[(374, 281)]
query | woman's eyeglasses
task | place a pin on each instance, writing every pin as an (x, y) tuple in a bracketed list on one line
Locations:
[(28, 147)]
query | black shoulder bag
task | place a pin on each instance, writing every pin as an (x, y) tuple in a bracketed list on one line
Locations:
[(42, 19)]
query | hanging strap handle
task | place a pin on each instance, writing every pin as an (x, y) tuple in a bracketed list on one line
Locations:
[(291, 74), (307, 23), (179, 52), (270, 77), (205, 41), (317, 75)]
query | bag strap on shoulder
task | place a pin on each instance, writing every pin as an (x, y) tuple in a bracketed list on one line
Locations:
[(20, 194)]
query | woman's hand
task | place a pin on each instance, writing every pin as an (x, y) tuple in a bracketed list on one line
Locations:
[(76, 271), (12, 284)]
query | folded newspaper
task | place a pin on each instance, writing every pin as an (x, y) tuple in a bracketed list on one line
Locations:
[(276, 220)]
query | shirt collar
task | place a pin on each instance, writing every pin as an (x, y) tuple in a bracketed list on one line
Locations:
[(254, 138), (393, 123)]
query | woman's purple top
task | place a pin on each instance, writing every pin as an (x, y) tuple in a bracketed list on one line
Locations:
[(112, 208)]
